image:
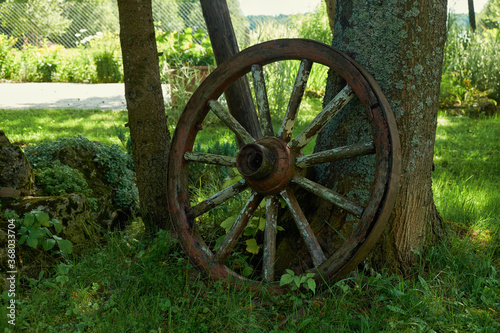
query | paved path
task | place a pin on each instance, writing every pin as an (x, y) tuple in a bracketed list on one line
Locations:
[(109, 96)]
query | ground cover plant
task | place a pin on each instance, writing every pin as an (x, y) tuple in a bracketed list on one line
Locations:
[(133, 283)]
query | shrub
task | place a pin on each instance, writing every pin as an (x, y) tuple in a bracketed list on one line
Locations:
[(471, 66), (186, 48), (7, 54)]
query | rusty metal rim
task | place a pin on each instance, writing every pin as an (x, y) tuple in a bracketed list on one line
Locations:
[(388, 158)]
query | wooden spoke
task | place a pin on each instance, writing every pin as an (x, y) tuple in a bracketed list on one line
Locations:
[(270, 237), (327, 114), (335, 154), (238, 227), (224, 115), (329, 195), (286, 128), (217, 199), (259, 84), (221, 160), (305, 230)]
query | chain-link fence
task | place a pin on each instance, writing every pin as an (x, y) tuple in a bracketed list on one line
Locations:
[(68, 23)]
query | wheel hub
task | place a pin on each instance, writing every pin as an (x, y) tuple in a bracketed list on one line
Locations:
[(267, 165)]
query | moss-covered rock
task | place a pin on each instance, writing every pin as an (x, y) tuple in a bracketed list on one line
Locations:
[(79, 227), (16, 174), (107, 170)]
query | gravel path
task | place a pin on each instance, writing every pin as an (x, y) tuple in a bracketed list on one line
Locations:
[(109, 96)]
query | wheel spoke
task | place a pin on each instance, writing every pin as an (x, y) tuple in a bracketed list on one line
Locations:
[(259, 84), (270, 237), (238, 227), (221, 160), (305, 230), (329, 195), (286, 128), (224, 115), (335, 154), (217, 199), (327, 114)]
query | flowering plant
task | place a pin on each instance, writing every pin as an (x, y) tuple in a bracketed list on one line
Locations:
[(185, 48)]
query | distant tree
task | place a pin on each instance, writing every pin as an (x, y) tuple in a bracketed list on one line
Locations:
[(490, 15), (35, 20), (472, 15)]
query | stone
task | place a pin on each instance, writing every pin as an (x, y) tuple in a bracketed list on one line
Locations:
[(16, 175)]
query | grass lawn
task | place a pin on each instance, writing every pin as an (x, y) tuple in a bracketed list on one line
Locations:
[(33, 126), (132, 284)]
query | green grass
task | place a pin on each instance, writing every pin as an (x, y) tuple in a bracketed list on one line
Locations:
[(466, 179), (132, 284), (33, 126)]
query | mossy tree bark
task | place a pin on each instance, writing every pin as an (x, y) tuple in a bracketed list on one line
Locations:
[(401, 44), (146, 110)]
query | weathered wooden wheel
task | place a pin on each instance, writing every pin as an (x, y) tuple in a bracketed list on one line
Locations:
[(272, 166)]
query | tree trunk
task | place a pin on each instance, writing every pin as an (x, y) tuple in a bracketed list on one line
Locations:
[(401, 44), (330, 11), (225, 45), (472, 15), (146, 110)]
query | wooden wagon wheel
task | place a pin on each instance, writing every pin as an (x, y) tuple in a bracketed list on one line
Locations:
[(272, 166)]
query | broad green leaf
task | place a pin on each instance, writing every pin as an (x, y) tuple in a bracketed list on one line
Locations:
[(218, 242), (262, 224), (65, 246), (252, 246), (286, 279), (57, 225), (250, 230), (63, 268), (32, 242), (228, 223), (46, 232), (311, 284), (289, 271), (23, 239), (43, 218), (188, 30), (296, 279), (48, 244), (247, 271), (29, 219), (62, 279), (36, 233)]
